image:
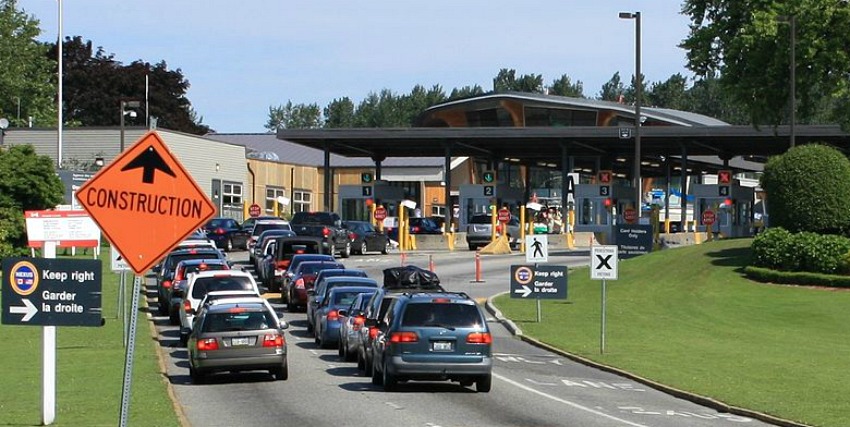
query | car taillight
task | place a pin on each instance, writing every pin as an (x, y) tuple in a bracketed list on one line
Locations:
[(414, 230), (273, 340), (479, 338), (333, 315), (187, 306), (498, 228), (281, 265), (166, 284), (299, 284), (352, 236), (373, 333), (358, 322), (403, 337), (179, 276), (207, 344), (326, 232), (219, 230)]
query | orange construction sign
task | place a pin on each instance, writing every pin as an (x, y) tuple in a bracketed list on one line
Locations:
[(145, 202)]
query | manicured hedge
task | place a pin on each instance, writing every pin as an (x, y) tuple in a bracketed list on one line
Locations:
[(796, 278), (778, 249)]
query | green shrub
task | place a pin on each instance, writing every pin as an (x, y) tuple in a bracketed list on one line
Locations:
[(778, 249), (773, 249), (808, 189), (792, 278)]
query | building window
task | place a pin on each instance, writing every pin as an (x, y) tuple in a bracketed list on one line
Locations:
[(272, 193), (231, 195), (301, 201)]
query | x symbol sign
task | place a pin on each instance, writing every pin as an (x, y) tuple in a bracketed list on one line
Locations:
[(603, 261)]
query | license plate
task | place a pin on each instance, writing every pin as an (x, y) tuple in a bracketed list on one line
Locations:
[(441, 346), (240, 341)]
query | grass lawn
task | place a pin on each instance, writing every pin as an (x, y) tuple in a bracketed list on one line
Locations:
[(89, 371), (689, 319)]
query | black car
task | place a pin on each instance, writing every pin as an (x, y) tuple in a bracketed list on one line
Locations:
[(365, 238), (227, 233)]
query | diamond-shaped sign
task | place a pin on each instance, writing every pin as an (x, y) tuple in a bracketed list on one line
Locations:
[(145, 202)]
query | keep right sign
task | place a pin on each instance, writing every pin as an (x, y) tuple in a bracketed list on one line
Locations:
[(603, 262)]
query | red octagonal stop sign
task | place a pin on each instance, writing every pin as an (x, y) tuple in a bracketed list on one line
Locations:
[(380, 213), (504, 215), (708, 217)]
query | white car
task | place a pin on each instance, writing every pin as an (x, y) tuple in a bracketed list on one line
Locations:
[(201, 283)]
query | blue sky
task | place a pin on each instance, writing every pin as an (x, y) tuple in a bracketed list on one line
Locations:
[(242, 57)]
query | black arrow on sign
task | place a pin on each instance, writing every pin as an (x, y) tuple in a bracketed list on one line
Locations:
[(149, 160)]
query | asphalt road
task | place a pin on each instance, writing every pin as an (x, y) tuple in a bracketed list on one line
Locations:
[(531, 387)]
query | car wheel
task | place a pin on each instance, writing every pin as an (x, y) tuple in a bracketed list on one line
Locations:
[(347, 251), (472, 247), (184, 338), (281, 373), (341, 351), (173, 317), (161, 307), (361, 365), (386, 248), (368, 369), (197, 376), (290, 305), (377, 378), (228, 246), (484, 383), (332, 249), (390, 381), (310, 327), (363, 248)]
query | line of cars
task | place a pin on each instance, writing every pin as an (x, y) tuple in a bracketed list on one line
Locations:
[(408, 328)]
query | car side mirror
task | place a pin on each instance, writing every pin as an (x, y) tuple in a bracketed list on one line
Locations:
[(283, 323), (342, 312)]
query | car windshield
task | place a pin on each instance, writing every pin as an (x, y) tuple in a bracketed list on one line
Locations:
[(261, 227), (445, 315), (237, 320), (315, 267), (203, 285)]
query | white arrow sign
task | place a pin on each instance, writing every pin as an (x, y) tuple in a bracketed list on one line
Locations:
[(28, 311), (525, 291)]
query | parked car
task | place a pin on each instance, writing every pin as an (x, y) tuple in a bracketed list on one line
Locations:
[(365, 238), (325, 225), (351, 320), (248, 224), (261, 226), (397, 281), (432, 337), (201, 283), (165, 275), (238, 336), (301, 277), (327, 316), (320, 287), (227, 233), (285, 249), (178, 283), (421, 225), (478, 231)]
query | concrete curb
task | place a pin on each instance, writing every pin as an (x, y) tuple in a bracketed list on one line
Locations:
[(163, 369), (698, 399)]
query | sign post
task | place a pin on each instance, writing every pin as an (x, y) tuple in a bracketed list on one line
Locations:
[(146, 184), (603, 266)]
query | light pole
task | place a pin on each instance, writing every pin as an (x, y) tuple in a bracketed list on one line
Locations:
[(4, 123), (638, 93), (124, 112), (792, 23)]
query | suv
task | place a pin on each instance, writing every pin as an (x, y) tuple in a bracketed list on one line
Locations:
[(432, 336), (178, 284), (201, 283), (397, 280), (285, 249), (478, 231), (325, 225)]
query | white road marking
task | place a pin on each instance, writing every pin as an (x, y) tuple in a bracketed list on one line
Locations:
[(393, 405), (566, 402)]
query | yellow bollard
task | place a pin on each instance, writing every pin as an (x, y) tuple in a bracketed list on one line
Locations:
[(450, 239), (493, 221), (372, 214), (571, 220), (522, 229), (276, 209), (244, 211)]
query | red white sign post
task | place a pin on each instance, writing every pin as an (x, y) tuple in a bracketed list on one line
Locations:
[(254, 210), (380, 213)]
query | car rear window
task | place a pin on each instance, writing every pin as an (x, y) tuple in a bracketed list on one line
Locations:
[(174, 259), (207, 267), (313, 268), (441, 315), (237, 321), (345, 298), (480, 219), (204, 285), (300, 248), (261, 227)]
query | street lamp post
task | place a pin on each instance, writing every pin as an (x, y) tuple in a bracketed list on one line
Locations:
[(638, 96), (792, 23), (124, 105)]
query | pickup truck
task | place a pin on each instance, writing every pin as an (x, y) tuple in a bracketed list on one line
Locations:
[(478, 231), (325, 225)]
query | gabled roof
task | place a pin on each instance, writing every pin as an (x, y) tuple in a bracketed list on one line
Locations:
[(297, 154)]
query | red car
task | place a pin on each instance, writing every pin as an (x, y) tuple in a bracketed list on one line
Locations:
[(301, 278)]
